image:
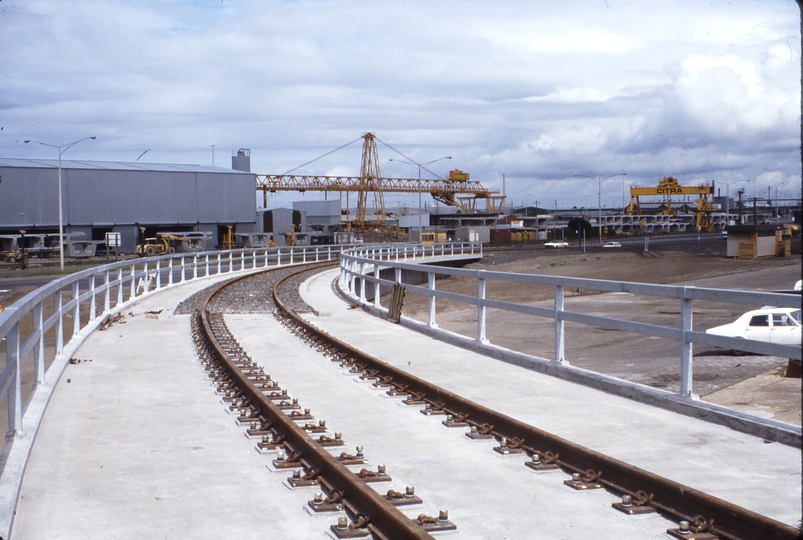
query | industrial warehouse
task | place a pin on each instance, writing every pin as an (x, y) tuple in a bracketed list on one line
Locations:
[(159, 209)]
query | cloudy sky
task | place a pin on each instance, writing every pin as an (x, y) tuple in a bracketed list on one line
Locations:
[(538, 91)]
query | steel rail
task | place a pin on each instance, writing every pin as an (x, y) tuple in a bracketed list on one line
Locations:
[(726, 520), (383, 519)]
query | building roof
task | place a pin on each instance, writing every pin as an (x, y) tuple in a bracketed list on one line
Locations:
[(113, 166)]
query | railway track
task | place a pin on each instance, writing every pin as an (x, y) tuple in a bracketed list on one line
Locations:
[(315, 457)]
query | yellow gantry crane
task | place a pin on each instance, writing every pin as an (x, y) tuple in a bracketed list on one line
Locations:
[(669, 187), (456, 190)]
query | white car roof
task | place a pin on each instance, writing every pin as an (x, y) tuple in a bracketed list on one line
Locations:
[(770, 309)]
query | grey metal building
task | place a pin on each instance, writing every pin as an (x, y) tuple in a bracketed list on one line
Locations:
[(100, 197)]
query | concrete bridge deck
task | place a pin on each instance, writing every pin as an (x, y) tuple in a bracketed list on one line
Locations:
[(135, 442)]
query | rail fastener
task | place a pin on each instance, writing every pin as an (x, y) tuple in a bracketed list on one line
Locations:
[(352, 459), (642, 504), (433, 409), (436, 524), (309, 479), (455, 420), (355, 529), (480, 433), (697, 531), (409, 497), (543, 462), (332, 503), (380, 475), (292, 461), (584, 482)]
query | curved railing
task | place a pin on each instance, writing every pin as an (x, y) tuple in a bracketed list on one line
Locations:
[(49, 324), (361, 277)]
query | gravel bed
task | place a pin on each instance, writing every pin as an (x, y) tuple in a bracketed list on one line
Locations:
[(253, 294)]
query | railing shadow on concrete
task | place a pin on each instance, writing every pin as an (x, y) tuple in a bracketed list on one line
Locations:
[(362, 268), (70, 308)]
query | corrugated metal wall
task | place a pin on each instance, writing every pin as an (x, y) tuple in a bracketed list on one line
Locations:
[(29, 197)]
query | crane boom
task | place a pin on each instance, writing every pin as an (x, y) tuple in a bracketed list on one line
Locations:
[(457, 190)]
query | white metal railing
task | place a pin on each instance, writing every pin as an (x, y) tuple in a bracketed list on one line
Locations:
[(359, 267), (86, 298), (118, 285)]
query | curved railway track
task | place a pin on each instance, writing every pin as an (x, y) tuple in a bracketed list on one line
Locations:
[(305, 450)]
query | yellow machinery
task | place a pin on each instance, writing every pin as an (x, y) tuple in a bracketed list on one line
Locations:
[(669, 187), (371, 181), (159, 245), (227, 240)]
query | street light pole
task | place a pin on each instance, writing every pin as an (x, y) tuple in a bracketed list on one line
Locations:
[(728, 200), (599, 197), (65, 147), (420, 166)]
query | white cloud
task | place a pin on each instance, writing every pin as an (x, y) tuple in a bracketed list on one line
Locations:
[(539, 91)]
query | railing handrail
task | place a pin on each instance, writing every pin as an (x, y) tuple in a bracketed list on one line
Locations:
[(361, 265)]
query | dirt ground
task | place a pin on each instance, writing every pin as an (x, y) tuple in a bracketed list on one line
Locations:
[(749, 382)]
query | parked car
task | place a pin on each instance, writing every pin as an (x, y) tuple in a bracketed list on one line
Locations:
[(556, 244), (776, 325), (612, 245)]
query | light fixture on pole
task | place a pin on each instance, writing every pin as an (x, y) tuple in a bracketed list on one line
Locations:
[(599, 197), (61, 149), (728, 200), (420, 166)]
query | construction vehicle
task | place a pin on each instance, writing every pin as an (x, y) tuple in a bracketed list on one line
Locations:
[(161, 244), (668, 187)]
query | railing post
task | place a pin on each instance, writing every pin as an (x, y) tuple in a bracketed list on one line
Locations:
[(304, 254), (362, 282), (92, 308), (146, 283), (292, 252), (39, 350), (376, 285), (183, 270), (195, 267), (158, 274), (59, 308), (431, 286), (107, 302), (219, 264), (278, 256), (481, 307), (15, 388), (133, 281), (119, 285), (686, 319), (206, 266), (231, 261), (559, 325), (170, 271), (76, 293)]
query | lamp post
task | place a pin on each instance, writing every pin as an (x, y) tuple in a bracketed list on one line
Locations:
[(599, 197), (728, 200), (420, 166), (61, 149)]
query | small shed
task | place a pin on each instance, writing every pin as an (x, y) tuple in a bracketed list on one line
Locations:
[(754, 241)]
